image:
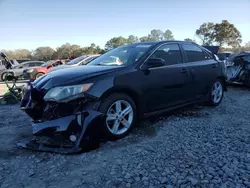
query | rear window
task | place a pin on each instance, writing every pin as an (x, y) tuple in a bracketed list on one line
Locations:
[(194, 53)]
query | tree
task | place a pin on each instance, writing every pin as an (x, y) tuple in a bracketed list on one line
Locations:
[(43, 53), (132, 39), (145, 39), (68, 51), (227, 33), (18, 54), (92, 49), (206, 33), (115, 42), (156, 35), (189, 40), (168, 35)]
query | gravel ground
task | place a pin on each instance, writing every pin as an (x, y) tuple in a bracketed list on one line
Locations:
[(198, 147)]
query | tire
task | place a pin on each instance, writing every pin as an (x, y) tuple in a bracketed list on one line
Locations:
[(108, 106), (246, 80), (247, 83), (38, 75), (212, 99), (5, 74)]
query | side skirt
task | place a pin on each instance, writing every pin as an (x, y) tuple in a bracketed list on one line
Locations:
[(173, 108)]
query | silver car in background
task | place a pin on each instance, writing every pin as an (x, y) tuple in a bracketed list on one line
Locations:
[(17, 70), (82, 60)]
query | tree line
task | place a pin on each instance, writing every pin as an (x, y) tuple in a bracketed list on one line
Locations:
[(222, 34)]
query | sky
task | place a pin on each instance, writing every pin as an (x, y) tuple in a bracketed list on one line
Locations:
[(33, 23)]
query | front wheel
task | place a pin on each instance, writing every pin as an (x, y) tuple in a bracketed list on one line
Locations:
[(216, 93), (120, 110)]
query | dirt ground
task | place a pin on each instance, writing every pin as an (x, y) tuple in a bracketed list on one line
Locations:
[(194, 147)]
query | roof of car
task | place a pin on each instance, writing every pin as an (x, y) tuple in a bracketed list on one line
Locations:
[(162, 41)]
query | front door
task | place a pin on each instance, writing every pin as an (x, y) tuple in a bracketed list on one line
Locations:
[(167, 85)]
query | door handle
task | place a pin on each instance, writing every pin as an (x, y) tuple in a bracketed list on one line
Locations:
[(215, 65), (184, 71)]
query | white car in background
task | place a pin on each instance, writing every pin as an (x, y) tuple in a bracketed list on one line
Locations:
[(82, 60)]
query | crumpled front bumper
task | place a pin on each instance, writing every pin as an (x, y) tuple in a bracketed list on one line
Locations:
[(74, 133)]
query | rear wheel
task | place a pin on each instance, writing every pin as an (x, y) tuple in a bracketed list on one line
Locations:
[(38, 75), (216, 93), (120, 110)]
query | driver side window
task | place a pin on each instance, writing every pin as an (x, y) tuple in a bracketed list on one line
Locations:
[(170, 53)]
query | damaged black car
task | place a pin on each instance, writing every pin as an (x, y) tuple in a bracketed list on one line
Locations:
[(73, 108), (238, 68)]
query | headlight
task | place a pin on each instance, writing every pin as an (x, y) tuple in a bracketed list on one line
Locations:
[(63, 93)]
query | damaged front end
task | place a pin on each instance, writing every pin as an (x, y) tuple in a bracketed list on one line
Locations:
[(61, 127)]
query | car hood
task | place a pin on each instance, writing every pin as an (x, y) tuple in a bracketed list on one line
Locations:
[(71, 76)]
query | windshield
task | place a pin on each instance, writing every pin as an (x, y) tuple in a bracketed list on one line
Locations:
[(76, 60), (47, 63), (123, 55)]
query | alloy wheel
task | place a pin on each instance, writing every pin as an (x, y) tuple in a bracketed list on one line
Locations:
[(119, 117), (217, 92)]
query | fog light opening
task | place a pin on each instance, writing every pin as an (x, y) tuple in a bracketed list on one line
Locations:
[(72, 138)]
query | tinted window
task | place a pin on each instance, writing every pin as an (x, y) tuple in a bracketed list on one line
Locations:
[(170, 53), (57, 63), (32, 64), (38, 64), (23, 66), (194, 53)]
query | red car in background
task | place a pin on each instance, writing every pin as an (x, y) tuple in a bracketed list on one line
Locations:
[(32, 74)]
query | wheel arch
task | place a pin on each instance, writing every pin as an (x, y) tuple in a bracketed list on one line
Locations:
[(130, 92), (224, 81), (7, 72)]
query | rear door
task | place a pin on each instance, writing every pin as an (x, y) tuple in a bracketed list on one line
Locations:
[(202, 66), (167, 85)]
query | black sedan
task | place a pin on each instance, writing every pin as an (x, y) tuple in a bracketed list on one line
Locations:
[(105, 98)]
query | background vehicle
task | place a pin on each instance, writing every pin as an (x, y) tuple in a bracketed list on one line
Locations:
[(17, 70), (223, 56), (238, 69), (143, 79), (37, 72), (82, 60)]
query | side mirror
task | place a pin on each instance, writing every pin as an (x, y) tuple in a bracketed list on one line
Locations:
[(154, 62)]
